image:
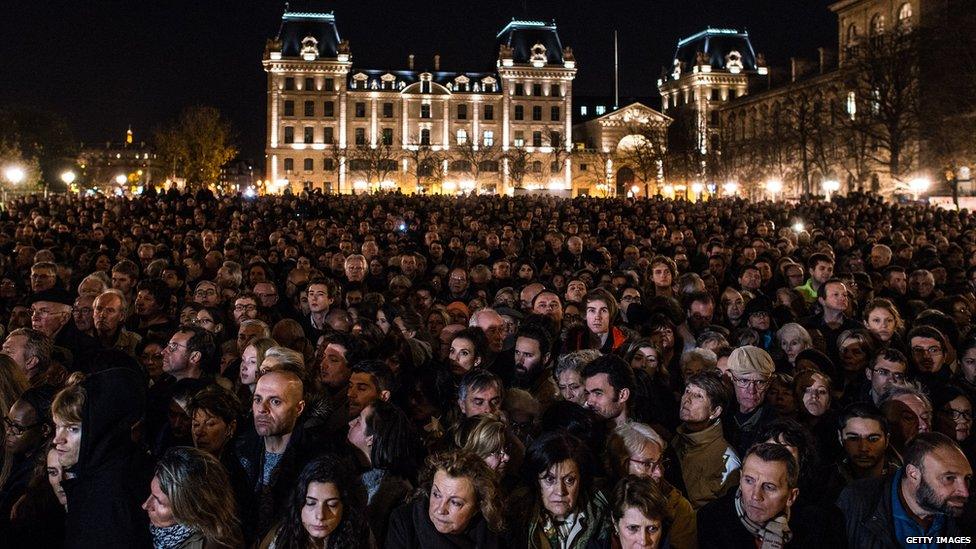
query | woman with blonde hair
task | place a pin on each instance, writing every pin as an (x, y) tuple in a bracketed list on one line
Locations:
[(190, 504), (491, 440), (251, 358)]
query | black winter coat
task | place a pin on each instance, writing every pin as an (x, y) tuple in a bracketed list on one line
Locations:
[(719, 527), (111, 478), (410, 527)]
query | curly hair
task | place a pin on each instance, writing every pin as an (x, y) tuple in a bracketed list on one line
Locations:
[(461, 464), (326, 469)]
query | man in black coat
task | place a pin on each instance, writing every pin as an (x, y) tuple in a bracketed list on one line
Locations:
[(923, 498), (760, 513)]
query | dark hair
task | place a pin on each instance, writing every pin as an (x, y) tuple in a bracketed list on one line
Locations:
[(925, 443), (539, 334), (890, 354), (379, 373), (217, 401), (822, 290), (477, 337), (716, 390), (477, 379), (862, 410), (580, 422), (768, 451), (291, 534), (202, 341), (619, 373), (703, 297), (791, 433), (642, 494), (552, 448), (818, 258), (329, 284), (158, 289), (393, 439)]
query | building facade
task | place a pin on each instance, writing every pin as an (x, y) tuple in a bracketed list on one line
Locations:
[(338, 127)]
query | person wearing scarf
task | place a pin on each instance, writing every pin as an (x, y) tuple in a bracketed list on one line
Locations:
[(754, 516)]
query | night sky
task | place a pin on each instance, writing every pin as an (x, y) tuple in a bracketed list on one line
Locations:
[(104, 65)]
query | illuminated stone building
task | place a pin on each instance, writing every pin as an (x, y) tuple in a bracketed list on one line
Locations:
[(335, 125)]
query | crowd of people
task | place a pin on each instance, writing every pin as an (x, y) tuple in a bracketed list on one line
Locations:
[(188, 371)]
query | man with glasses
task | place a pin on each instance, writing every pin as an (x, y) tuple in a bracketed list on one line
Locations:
[(931, 353), (27, 428), (207, 294), (43, 276), (50, 312), (889, 368), (751, 369), (245, 308)]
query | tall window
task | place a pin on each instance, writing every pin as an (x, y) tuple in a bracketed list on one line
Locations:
[(536, 139), (289, 108), (555, 138), (905, 16), (489, 138), (425, 110), (601, 110), (877, 25), (329, 84), (537, 113), (462, 136), (328, 109), (289, 134), (329, 136), (360, 110), (387, 110), (555, 90), (308, 164), (462, 111), (537, 90), (309, 134), (310, 108), (289, 164), (360, 136), (309, 84), (425, 136), (852, 105), (554, 114), (519, 139), (519, 89), (489, 112), (289, 83), (387, 136), (519, 112)]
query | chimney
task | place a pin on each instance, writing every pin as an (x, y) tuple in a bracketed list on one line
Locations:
[(437, 61), (410, 61)]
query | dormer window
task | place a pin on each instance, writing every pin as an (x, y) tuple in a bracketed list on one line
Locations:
[(538, 57), (310, 48), (733, 62)]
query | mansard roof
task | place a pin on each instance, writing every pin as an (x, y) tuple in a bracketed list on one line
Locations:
[(717, 44), (522, 37), (297, 25)]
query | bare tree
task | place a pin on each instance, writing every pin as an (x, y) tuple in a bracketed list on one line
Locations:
[(596, 161), (646, 154), (425, 163), (478, 158), (373, 163), (518, 159)]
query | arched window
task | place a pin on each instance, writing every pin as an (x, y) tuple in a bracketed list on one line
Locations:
[(877, 25), (905, 16), (852, 34)]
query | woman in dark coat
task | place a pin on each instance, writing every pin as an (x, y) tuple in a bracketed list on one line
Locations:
[(458, 507)]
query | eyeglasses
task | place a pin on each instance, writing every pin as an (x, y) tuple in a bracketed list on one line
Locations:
[(15, 428), (205, 293), (82, 310), (650, 464), (248, 308), (960, 415), (173, 346), (747, 383), (884, 372), (42, 313)]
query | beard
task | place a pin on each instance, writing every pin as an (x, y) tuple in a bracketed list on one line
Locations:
[(927, 499), (525, 379)]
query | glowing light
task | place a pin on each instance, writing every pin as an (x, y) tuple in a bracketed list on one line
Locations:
[(121, 179), (250, 192), (634, 190), (668, 189), (919, 185), (831, 186), (730, 188), (798, 227), (697, 188), (68, 177), (14, 174), (774, 186)]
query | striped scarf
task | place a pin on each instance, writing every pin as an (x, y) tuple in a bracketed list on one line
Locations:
[(774, 534)]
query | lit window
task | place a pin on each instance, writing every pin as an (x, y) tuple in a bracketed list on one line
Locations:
[(462, 136), (852, 104), (583, 110), (600, 110), (489, 138), (905, 16)]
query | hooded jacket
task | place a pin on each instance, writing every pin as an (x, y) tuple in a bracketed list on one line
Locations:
[(111, 479)]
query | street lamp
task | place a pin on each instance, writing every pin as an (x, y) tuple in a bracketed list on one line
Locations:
[(13, 174), (697, 188), (919, 185), (121, 179), (774, 186), (831, 186), (68, 177)]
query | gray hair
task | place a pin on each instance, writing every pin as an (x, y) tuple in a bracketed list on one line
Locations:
[(254, 322), (708, 358), (575, 361), (124, 302), (103, 285), (793, 329), (36, 345), (473, 321), (632, 437), (908, 388), (284, 355)]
